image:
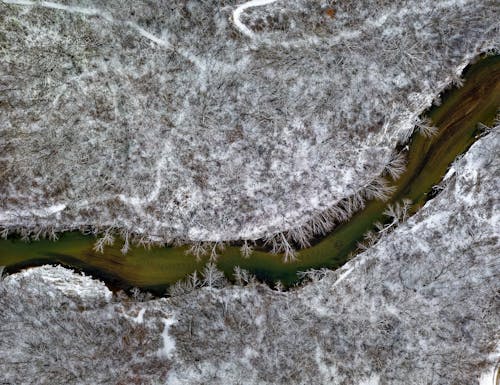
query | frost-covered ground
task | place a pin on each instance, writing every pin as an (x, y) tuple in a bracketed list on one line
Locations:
[(420, 307), (214, 120)]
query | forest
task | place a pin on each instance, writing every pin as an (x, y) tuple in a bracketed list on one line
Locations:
[(324, 175)]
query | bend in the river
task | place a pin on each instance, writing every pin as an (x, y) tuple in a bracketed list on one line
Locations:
[(428, 160)]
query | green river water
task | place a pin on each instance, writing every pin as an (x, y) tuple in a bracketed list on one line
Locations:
[(428, 160)]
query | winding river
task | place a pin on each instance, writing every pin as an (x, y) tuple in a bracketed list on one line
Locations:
[(428, 159)]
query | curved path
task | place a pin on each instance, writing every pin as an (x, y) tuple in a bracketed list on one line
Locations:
[(109, 18), (241, 8)]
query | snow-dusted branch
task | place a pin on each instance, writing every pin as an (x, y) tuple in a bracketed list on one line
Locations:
[(426, 128), (243, 277), (280, 244), (107, 239), (396, 166), (197, 249), (246, 250), (398, 213), (212, 277)]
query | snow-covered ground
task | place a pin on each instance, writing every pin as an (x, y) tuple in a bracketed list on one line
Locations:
[(420, 307), (202, 120), (67, 283)]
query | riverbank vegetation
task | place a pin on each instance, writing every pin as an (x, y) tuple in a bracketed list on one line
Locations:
[(130, 118), (426, 159), (422, 301)]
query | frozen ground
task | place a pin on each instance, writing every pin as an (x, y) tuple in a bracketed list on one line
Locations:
[(420, 307), (214, 120)]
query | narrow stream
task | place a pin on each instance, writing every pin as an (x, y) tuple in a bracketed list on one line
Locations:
[(428, 159)]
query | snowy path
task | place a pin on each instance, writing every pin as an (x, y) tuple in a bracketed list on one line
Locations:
[(343, 275), (62, 7), (168, 347), (108, 17), (43, 212), (241, 8), (343, 35)]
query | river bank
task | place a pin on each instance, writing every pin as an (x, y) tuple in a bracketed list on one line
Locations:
[(428, 159)]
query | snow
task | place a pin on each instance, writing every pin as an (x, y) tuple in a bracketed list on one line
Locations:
[(327, 371), (61, 7), (374, 379), (404, 312), (140, 317), (168, 347), (44, 212), (241, 8), (66, 282), (244, 140), (489, 377), (108, 17), (260, 319), (449, 173), (343, 275), (173, 379)]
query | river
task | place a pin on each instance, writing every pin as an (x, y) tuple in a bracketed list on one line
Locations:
[(428, 160)]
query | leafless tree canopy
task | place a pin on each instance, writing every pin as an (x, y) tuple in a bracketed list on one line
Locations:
[(167, 119), (419, 307)]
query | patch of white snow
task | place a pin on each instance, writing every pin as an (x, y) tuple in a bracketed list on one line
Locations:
[(241, 8), (374, 379), (168, 342)]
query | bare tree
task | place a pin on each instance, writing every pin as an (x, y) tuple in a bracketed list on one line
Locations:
[(197, 249), (278, 286), (280, 244), (426, 128), (243, 277), (312, 275), (398, 212), (245, 249), (379, 188), (126, 244), (396, 166), (215, 248), (300, 235), (144, 241), (4, 232), (212, 277), (107, 239)]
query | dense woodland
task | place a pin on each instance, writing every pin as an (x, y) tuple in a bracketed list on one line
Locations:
[(168, 122), (419, 307), (187, 121)]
